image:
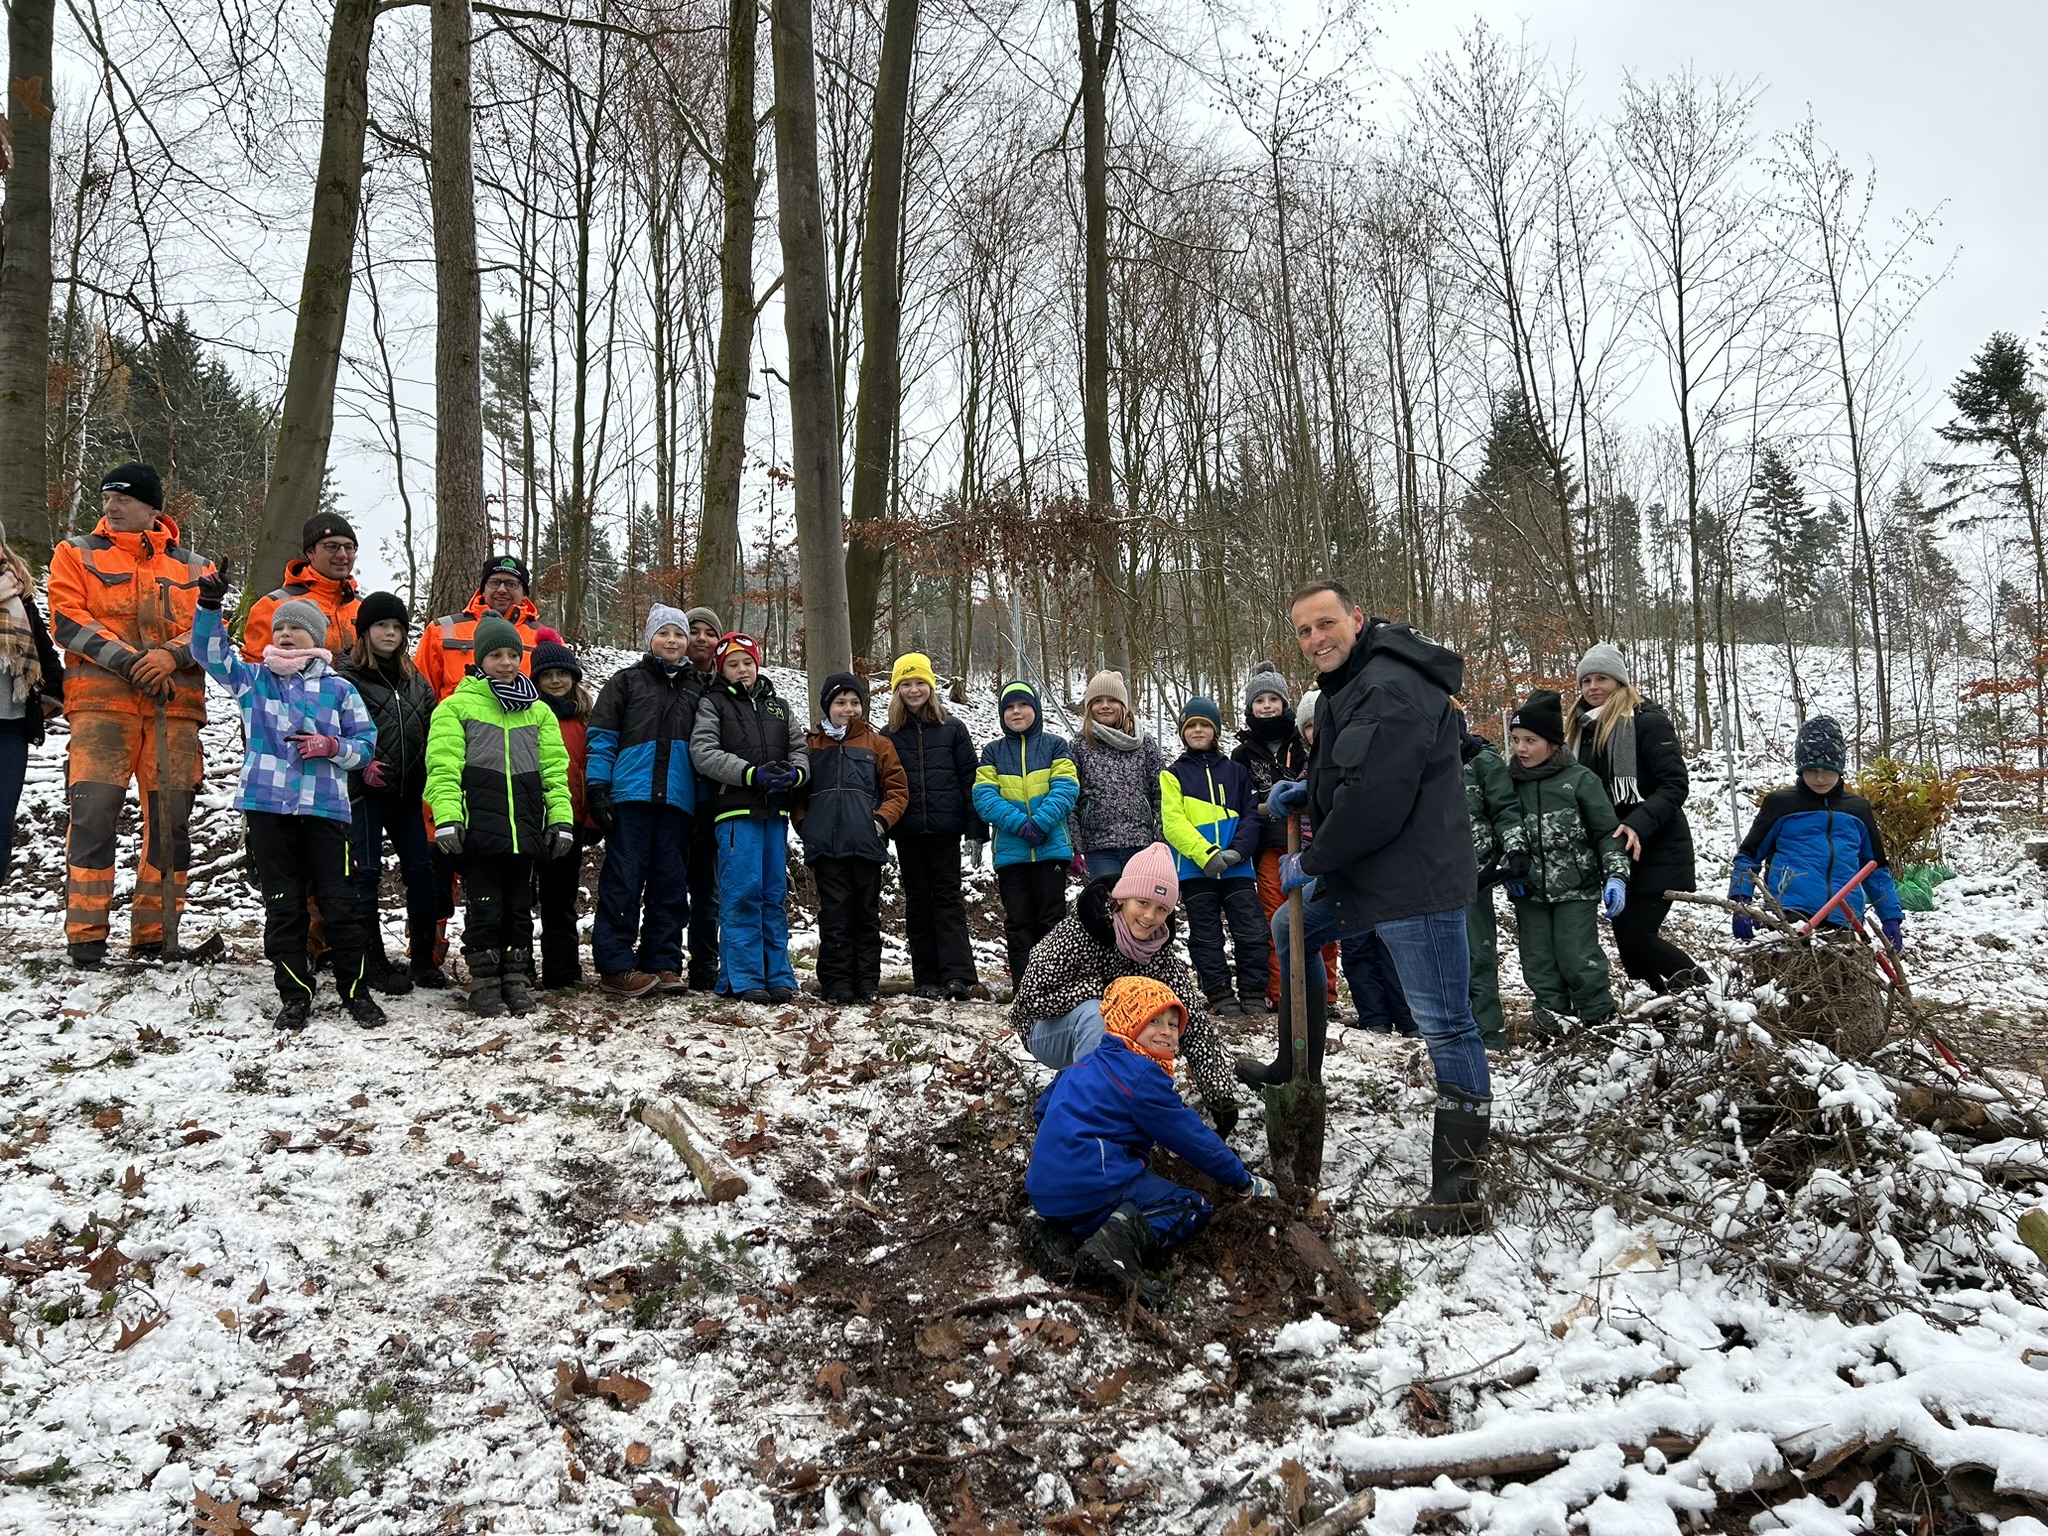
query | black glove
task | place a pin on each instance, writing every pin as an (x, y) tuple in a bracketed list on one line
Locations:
[(561, 841), (1516, 866), (213, 587), (597, 800)]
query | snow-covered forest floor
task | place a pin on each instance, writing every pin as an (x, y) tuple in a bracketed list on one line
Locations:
[(436, 1278)]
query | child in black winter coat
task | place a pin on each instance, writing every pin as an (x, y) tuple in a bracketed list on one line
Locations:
[(385, 794), (1211, 819), (939, 759), (844, 813), (558, 883)]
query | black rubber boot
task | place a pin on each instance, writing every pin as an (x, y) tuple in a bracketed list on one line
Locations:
[(382, 975), (1257, 1074), (1456, 1146), (516, 980), (1051, 1246), (366, 1010), (1116, 1251), (486, 999), (89, 956), (295, 1014)]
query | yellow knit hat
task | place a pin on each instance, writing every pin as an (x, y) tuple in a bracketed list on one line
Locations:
[(912, 667)]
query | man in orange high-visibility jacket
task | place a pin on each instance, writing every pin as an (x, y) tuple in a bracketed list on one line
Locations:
[(118, 606), (325, 578), (447, 646)]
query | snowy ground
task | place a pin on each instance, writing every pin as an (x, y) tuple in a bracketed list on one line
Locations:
[(438, 1279)]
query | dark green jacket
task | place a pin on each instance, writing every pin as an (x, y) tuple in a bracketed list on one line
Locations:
[(1491, 807), (1569, 823)]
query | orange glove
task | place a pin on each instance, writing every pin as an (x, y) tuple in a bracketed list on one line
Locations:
[(152, 672)]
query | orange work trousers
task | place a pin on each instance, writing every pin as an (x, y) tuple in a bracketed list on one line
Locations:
[(1268, 871), (108, 750)]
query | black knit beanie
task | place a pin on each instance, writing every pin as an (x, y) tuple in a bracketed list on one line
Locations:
[(137, 480), (378, 607), (1542, 714), (322, 525)]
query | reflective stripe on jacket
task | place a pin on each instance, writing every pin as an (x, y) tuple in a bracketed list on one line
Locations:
[(114, 596)]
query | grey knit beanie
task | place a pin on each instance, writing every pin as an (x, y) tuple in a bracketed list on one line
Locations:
[(1265, 678), (1604, 658), (301, 614), (1305, 711), (660, 616), (702, 616)]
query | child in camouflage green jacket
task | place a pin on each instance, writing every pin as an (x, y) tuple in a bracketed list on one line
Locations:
[(1501, 850), (1575, 861)]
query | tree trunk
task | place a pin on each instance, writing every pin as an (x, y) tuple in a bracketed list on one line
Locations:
[(298, 470), (1096, 51), (881, 320), (25, 287), (807, 325), (462, 533), (718, 531)]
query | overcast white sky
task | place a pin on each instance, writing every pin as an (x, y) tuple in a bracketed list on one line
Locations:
[(1942, 96)]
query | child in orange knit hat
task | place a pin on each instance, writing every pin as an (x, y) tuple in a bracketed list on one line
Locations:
[(1090, 1176)]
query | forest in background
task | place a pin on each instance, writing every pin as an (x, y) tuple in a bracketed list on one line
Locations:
[(1102, 327)]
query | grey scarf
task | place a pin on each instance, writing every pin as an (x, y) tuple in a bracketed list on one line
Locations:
[(1622, 787), (1113, 738)]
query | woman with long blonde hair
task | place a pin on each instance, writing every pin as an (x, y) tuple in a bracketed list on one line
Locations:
[(31, 686), (1631, 744)]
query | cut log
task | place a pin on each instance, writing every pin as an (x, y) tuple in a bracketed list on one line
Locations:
[(1354, 1511), (1315, 1253), (720, 1180)]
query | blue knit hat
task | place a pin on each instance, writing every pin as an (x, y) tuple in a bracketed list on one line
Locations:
[(550, 655), (1021, 692), (1199, 708)]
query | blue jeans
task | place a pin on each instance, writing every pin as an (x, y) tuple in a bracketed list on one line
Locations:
[(1062, 1042), (643, 891), (1435, 969), (1107, 863), (1173, 1213), (1374, 987), (13, 774), (753, 904), (373, 818)]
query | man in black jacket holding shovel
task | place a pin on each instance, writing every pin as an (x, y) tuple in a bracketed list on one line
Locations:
[(1392, 855)]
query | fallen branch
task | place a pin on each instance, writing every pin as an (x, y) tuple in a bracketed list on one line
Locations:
[(720, 1180), (1316, 1254), (1355, 1510)]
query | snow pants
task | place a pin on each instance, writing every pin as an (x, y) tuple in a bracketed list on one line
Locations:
[(557, 891), (1173, 1212), (703, 975), (300, 857), (13, 774), (1210, 905), (849, 925), (934, 912), (1271, 901), (1562, 960), (753, 904), (108, 749), (1034, 900), (1482, 937), (497, 904), (643, 891), (375, 819)]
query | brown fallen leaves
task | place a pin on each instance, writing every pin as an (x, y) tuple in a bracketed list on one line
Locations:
[(623, 1391), (218, 1517), (134, 1333)]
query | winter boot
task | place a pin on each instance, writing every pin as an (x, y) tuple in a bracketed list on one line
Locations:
[(89, 956), (381, 974), (296, 1013), (1117, 1249), (1256, 1074), (421, 937), (366, 1010), (486, 998), (1051, 1246), (516, 978), (1456, 1145)]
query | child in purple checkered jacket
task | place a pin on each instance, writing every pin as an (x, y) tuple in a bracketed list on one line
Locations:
[(306, 727)]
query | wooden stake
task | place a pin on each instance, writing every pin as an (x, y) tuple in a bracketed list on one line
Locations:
[(720, 1180)]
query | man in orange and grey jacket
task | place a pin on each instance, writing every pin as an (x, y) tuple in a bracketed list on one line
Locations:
[(325, 577), (448, 645), (121, 605)]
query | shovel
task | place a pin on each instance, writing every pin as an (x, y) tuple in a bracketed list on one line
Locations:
[(1295, 1109), (171, 830)]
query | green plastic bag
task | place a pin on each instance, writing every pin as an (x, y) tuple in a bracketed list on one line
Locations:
[(1916, 885)]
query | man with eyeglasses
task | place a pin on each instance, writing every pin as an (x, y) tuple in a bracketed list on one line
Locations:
[(448, 645), (325, 577)]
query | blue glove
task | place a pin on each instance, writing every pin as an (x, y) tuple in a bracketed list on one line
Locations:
[(1743, 929), (1286, 798), (1292, 876), (1517, 891), (1613, 898), (1894, 932), (1031, 832), (1260, 1187)]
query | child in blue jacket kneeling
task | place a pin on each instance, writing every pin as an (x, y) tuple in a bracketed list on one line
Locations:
[(1090, 1176)]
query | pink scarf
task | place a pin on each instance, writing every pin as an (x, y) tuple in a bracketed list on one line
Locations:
[(292, 663), (1135, 949)]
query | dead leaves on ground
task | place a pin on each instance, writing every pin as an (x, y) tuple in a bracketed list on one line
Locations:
[(218, 1517), (623, 1391)]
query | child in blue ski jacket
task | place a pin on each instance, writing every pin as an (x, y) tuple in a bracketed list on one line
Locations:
[(306, 728), (1810, 838), (1090, 1176), (1025, 788)]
